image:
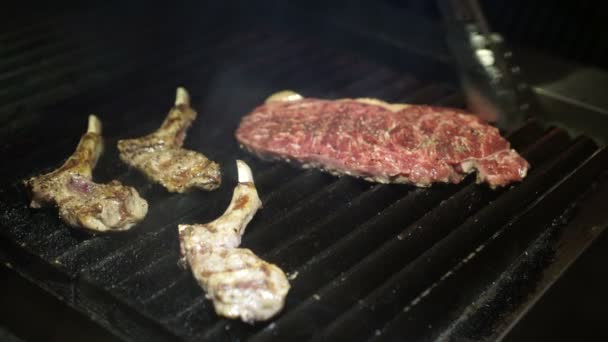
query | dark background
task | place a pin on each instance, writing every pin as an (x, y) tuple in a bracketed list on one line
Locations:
[(574, 30)]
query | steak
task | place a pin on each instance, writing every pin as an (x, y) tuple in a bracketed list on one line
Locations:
[(380, 142)]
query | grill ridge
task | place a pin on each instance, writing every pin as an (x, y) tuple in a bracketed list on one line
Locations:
[(391, 296), (466, 196), (518, 234)]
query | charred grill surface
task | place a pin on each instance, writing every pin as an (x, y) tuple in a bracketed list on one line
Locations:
[(363, 260)]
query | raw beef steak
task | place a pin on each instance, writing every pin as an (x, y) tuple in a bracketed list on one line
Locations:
[(381, 142)]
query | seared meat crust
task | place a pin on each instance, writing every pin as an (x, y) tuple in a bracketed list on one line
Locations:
[(240, 284), (81, 202), (162, 159)]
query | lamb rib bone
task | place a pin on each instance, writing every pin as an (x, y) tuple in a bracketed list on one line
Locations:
[(162, 159), (240, 284), (81, 202)]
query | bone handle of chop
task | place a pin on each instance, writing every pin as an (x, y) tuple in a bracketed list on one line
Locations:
[(182, 97), (244, 172), (94, 125)]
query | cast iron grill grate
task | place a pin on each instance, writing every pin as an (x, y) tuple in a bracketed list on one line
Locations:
[(367, 260)]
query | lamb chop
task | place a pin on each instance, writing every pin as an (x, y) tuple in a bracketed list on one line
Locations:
[(379, 141), (239, 283), (162, 159), (81, 202)]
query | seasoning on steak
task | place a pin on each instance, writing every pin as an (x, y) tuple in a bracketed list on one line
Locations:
[(162, 159), (239, 283), (380, 142), (81, 202)]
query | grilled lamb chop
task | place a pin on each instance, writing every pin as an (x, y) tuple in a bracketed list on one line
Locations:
[(162, 159), (381, 142), (239, 283), (81, 202)]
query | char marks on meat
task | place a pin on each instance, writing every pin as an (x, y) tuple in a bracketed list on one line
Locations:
[(240, 284), (381, 142), (81, 202), (162, 159)]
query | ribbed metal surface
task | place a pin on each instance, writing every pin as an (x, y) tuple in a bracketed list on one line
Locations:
[(367, 260)]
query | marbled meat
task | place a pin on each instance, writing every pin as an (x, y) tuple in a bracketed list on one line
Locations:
[(381, 142)]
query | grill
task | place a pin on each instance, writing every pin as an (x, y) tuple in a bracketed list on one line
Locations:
[(368, 261)]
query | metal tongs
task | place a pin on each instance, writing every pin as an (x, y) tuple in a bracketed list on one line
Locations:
[(492, 81)]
